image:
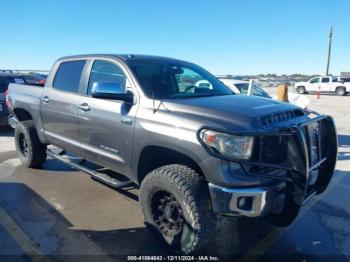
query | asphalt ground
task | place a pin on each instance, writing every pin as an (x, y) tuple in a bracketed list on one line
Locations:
[(57, 213)]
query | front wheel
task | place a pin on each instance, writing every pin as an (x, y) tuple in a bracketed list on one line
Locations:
[(30, 150), (176, 206)]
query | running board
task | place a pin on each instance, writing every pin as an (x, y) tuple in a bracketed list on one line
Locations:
[(96, 175)]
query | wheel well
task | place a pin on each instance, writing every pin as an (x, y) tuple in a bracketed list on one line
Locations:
[(22, 114), (340, 87), (153, 157)]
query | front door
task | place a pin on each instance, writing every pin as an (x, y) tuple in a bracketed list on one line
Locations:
[(105, 126), (59, 106), (314, 84)]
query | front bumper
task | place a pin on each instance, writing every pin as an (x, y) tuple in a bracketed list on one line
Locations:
[(250, 202), (310, 158)]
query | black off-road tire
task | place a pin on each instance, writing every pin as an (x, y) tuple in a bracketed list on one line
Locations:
[(341, 91), (301, 90), (30, 150), (192, 195)]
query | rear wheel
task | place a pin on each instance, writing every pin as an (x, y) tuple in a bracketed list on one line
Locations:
[(341, 91), (176, 206), (301, 90), (30, 150)]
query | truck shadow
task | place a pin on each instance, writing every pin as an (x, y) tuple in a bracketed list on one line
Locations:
[(6, 132), (344, 140), (54, 234), (344, 143)]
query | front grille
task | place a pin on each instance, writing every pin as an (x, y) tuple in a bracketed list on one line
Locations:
[(280, 117), (315, 137)]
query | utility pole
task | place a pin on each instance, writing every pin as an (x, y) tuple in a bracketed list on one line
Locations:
[(329, 50)]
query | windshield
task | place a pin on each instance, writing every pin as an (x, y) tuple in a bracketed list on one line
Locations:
[(172, 80)]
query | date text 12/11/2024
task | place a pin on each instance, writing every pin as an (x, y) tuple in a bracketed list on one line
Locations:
[(172, 258)]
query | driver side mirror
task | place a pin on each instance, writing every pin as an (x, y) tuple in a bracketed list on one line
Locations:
[(111, 91)]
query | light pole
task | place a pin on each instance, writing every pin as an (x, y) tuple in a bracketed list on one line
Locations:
[(329, 50)]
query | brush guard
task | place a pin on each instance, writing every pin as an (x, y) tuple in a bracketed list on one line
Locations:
[(305, 162)]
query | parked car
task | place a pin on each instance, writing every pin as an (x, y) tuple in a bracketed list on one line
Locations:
[(197, 153), (5, 80), (242, 87), (245, 88), (323, 84), (33, 79)]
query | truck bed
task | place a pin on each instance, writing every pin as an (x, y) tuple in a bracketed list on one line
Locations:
[(25, 96)]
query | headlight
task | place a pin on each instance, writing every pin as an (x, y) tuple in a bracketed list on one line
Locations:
[(231, 146)]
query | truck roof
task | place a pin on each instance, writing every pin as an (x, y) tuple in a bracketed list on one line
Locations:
[(124, 57)]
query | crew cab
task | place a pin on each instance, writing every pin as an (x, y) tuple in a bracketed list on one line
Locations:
[(195, 152), (324, 84)]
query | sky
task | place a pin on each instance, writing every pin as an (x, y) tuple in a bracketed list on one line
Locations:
[(223, 36)]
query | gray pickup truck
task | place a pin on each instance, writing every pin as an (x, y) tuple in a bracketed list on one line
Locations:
[(195, 152)]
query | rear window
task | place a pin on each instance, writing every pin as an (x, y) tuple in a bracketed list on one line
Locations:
[(68, 76)]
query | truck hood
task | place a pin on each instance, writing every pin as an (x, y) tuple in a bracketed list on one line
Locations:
[(237, 112)]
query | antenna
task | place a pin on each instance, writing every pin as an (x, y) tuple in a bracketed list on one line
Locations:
[(329, 50)]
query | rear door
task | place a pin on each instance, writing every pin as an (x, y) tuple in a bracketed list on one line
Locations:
[(106, 127), (325, 84), (59, 106)]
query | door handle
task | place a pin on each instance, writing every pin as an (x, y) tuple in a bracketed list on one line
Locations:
[(84, 107), (45, 99)]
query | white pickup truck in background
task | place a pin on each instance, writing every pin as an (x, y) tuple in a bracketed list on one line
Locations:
[(323, 84)]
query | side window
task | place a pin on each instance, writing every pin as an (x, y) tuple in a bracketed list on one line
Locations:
[(314, 80), (243, 88), (257, 91), (325, 80), (68, 76), (105, 71)]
